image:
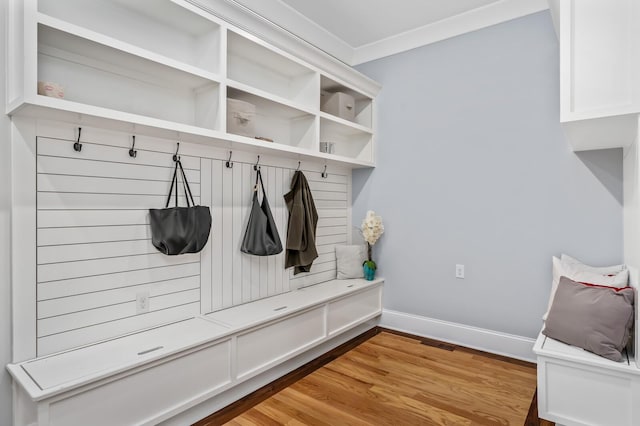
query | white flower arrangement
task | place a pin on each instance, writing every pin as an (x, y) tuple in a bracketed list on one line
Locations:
[(372, 228)]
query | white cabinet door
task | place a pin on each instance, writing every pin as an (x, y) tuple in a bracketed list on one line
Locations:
[(599, 58), (599, 72)]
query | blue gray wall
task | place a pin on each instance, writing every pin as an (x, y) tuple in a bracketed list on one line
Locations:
[(473, 168)]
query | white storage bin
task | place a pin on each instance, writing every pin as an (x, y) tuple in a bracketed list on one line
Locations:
[(241, 117), (339, 104)]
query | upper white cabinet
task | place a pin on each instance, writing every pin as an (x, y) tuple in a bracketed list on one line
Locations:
[(167, 68), (599, 71)]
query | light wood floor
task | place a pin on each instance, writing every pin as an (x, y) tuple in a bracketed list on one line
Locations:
[(397, 380)]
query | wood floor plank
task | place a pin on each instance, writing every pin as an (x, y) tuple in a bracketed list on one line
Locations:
[(394, 379)]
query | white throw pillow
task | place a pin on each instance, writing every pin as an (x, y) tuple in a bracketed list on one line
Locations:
[(576, 272), (565, 258), (349, 261)]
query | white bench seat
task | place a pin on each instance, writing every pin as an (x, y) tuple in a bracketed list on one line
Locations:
[(578, 388), (127, 380)]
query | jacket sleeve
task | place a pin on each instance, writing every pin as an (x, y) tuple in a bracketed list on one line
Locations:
[(295, 232)]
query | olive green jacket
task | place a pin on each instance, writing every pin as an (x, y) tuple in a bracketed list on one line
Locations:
[(303, 219)]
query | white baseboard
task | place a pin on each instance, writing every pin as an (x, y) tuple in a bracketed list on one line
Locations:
[(495, 342)]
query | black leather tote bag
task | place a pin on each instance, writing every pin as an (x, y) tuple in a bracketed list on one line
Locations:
[(261, 237), (180, 230)]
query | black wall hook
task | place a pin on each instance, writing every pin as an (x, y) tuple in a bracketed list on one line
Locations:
[(132, 152), (298, 166), (78, 146), (324, 174), (229, 164), (175, 156), (256, 167)]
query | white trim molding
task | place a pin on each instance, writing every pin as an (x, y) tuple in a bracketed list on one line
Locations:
[(475, 19), (495, 342), (285, 27), (284, 37), (302, 27)]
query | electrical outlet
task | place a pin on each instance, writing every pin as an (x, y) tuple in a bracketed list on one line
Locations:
[(459, 271), (142, 302)]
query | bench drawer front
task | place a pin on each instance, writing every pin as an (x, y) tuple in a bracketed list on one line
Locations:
[(148, 394), (583, 396), (351, 310), (260, 348)]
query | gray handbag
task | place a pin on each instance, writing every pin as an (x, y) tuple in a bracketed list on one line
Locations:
[(261, 236), (179, 230)]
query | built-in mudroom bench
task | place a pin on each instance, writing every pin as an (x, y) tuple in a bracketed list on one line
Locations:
[(579, 388), (106, 96), (150, 376)]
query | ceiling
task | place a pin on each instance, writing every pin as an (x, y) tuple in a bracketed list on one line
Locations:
[(361, 22), (357, 31)]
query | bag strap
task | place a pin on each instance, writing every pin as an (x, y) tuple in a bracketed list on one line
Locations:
[(258, 179), (185, 184), (187, 188), (173, 181)]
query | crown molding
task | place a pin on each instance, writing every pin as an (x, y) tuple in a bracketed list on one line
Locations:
[(296, 23), (252, 22), (491, 14)]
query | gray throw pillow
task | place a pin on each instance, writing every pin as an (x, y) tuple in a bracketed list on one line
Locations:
[(349, 261), (595, 318)]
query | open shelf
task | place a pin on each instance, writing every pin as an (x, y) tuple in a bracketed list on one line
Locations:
[(167, 67), (95, 74), (178, 33), (256, 65), (282, 123), (349, 141), (363, 103)]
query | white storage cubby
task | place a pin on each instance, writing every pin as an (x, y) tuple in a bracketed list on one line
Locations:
[(351, 139), (363, 104), (178, 33), (166, 67), (255, 65), (281, 123), (99, 75), (599, 72)]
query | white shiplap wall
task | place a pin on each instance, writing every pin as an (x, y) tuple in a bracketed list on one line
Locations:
[(94, 253)]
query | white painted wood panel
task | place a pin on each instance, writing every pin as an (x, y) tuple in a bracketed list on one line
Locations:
[(94, 241), (188, 377), (82, 319), (278, 340), (73, 252), (205, 257), (84, 184), (109, 330), (217, 235), (86, 301), (77, 218), (94, 251), (100, 168), (99, 283)]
